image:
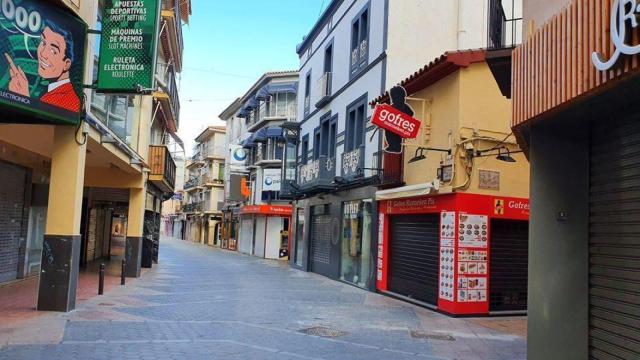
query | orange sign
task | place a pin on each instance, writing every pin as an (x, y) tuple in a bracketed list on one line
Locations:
[(282, 210)]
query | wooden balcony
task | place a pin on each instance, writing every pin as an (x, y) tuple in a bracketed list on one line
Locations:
[(163, 168)]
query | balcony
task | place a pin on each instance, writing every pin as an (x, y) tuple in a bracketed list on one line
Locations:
[(192, 208), (390, 169), (208, 180), (168, 97), (324, 90), (504, 34), (172, 40), (281, 107), (317, 175), (353, 164), (163, 168), (192, 184)]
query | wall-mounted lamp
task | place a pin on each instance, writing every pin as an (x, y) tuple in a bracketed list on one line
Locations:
[(506, 157), (420, 153)]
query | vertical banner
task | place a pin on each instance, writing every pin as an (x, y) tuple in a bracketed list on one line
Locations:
[(128, 45), (42, 56)]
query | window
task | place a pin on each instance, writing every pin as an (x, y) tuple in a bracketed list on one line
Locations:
[(360, 41), (324, 149), (317, 137), (333, 134), (307, 93), (115, 111), (356, 123), (304, 149), (221, 171), (357, 262), (325, 81)]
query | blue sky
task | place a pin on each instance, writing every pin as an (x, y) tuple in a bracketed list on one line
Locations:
[(229, 44)]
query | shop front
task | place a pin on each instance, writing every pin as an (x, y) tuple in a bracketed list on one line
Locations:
[(264, 231), (334, 236), (462, 254), (580, 124)]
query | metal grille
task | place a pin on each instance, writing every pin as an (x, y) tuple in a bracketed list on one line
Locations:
[(321, 239), (12, 190), (323, 331), (509, 265), (614, 244), (414, 257)]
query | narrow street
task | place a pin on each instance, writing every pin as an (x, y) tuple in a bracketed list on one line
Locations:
[(205, 303)]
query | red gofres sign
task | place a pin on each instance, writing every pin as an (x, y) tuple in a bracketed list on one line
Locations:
[(391, 119)]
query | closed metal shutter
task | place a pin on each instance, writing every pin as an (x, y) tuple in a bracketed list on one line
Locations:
[(614, 244), (13, 179), (509, 265), (321, 244), (414, 257)]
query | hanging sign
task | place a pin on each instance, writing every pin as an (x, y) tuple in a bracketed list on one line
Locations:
[(41, 64), (128, 45), (623, 13), (272, 180), (399, 123)]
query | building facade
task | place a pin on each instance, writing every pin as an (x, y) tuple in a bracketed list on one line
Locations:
[(350, 57), (204, 189), (92, 191), (173, 218), (456, 199), (262, 217), (575, 78)]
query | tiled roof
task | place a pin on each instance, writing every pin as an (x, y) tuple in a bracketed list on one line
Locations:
[(436, 70)]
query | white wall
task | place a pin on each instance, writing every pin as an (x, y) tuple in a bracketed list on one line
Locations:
[(245, 238), (370, 83), (422, 30)]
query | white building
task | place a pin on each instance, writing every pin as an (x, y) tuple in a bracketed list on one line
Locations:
[(356, 51), (256, 217)]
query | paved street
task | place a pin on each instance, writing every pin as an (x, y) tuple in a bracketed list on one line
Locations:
[(205, 303)]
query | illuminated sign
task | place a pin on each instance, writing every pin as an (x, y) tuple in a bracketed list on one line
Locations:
[(42, 63), (128, 45)]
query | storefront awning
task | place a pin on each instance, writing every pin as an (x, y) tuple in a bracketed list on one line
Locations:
[(430, 188), (249, 142), (277, 210), (268, 132), (268, 90)]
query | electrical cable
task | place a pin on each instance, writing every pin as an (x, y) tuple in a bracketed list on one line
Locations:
[(79, 125)]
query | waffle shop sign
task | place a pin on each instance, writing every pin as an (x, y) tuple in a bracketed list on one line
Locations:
[(392, 119)]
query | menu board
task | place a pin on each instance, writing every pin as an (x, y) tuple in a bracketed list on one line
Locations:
[(474, 231), (447, 254), (472, 275), (472, 289)]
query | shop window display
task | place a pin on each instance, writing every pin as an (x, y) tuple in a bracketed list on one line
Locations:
[(356, 264)]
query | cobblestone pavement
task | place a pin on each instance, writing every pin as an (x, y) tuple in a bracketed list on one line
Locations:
[(205, 303)]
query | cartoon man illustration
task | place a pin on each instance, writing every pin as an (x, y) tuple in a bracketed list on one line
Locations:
[(55, 57), (393, 142)]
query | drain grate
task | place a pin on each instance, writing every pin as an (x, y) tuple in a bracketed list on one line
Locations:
[(323, 331), (432, 336)]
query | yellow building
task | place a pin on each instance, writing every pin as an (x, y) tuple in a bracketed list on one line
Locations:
[(204, 188), (457, 193), (73, 195)]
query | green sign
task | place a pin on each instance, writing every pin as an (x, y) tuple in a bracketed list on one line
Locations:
[(42, 56), (128, 45)]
